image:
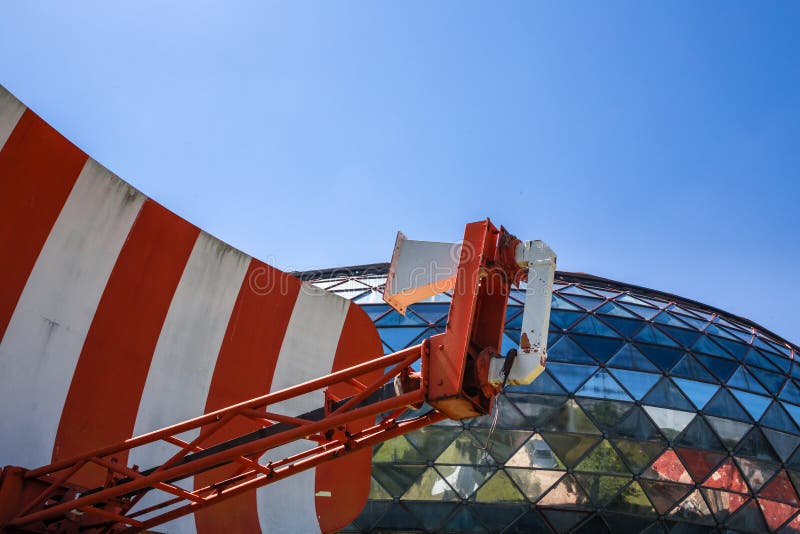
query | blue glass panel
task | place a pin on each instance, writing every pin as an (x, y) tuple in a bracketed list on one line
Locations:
[(697, 323), (744, 380), (698, 392), (593, 326), (688, 367), (793, 410), (724, 405), (790, 392), (762, 344), (626, 327), (663, 357), (667, 395), (577, 290), (514, 320), (400, 337), (601, 348), (720, 332), (559, 303), (706, 346), (642, 311), (431, 313), (779, 361), (586, 303), (603, 386), (651, 334), (772, 381), (754, 404), (563, 319), (510, 342), (723, 369), (543, 383), (669, 319), (735, 348), (629, 357), (776, 417), (395, 319), (609, 308), (568, 351), (756, 358), (607, 293), (685, 337), (637, 383), (375, 310), (571, 376), (627, 298)]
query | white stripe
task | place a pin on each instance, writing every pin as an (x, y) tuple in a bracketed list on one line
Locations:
[(307, 352), (183, 362), (41, 346), (11, 110)]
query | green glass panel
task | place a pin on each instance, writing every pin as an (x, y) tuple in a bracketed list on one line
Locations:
[(638, 454), (665, 495), (570, 418), (430, 487), (731, 432), (396, 479), (569, 448), (693, 508), (601, 488), (667, 395), (535, 453), (534, 483), (499, 488), (464, 479), (632, 500), (566, 494), (432, 440), (502, 443), (603, 459), (671, 422), (376, 491), (629, 357), (605, 413), (397, 451), (465, 449)]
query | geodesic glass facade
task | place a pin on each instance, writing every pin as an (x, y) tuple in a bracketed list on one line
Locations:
[(654, 414)]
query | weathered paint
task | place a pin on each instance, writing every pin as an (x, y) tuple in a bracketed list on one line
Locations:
[(118, 317)]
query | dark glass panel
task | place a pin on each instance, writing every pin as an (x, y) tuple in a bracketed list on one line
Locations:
[(587, 303), (776, 417), (771, 381), (698, 435), (626, 327), (628, 524), (535, 410), (793, 410), (693, 508), (731, 432), (396, 479), (670, 422), (651, 334), (722, 369), (689, 367), (603, 459), (499, 488), (663, 357), (601, 488), (432, 440), (602, 385), (638, 454), (532, 521), (632, 500), (756, 473), (734, 347), (566, 494), (637, 426), (514, 318), (699, 463), (706, 346), (535, 453), (724, 405), (629, 357), (595, 525), (563, 521), (430, 514), (665, 495), (571, 376), (742, 379), (756, 446), (723, 503), (462, 521), (637, 383), (600, 347), (667, 395), (377, 492), (564, 318), (606, 414), (791, 392), (748, 519), (780, 489), (502, 443), (496, 517), (755, 404), (593, 326), (566, 350), (700, 324), (534, 483), (568, 447), (698, 392), (683, 336), (372, 513), (756, 358)]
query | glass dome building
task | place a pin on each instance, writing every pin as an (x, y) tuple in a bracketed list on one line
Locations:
[(655, 413)]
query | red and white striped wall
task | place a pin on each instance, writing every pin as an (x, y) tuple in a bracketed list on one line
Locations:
[(117, 317)]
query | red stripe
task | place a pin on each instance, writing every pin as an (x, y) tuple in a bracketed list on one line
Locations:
[(358, 343), (38, 168), (106, 388), (245, 367)]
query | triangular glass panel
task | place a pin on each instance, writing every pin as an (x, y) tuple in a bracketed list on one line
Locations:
[(793, 410), (607, 292), (645, 312), (748, 519), (719, 332), (400, 337), (685, 337), (609, 308), (587, 303), (577, 290), (532, 521), (563, 521), (594, 525), (395, 319), (729, 431), (664, 357), (636, 426), (465, 449), (629, 357), (754, 404), (706, 346), (464, 479), (375, 310), (790, 392), (603, 459), (723, 369), (744, 380), (756, 473), (727, 477), (723, 503), (536, 453), (658, 303), (626, 327), (568, 447), (559, 303), (544, 384), (724, 405), (651, 334), (638, 384), (376, 491), (667, 395), (396, 479), (430, 487), (671, 422), (371, 514), (397, 451), (601, 488), (668, 467), (566, 494), (638, 454), (602, 348), (664, 495), (430, 313), (667, 318), (632, 500), (430, 514), (689, 367), (603, 386), (502, 443), (698, 392), (698, 435), (432, 440), (569, 375), (780, 489), (734, 347), (562, 319), (776, 513), (754, 357), (772, 381), (756, 446), (776, 417), (534, 483), (700, 324), (499, 488), (566, 350), (370, 297), (570, 418), (497, 517), (700, 463), (461, 521), (630, 299), (606, 414), (523, 412), (514, 317)]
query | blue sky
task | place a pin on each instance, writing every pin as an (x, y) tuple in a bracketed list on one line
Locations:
[(655, 143)]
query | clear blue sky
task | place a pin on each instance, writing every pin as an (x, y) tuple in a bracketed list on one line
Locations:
[(652, 142)]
